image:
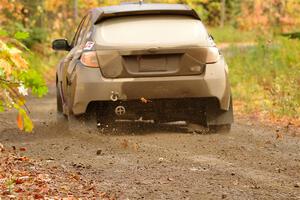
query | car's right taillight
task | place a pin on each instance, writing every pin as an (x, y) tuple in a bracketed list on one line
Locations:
[(212, 55), (89, 59)]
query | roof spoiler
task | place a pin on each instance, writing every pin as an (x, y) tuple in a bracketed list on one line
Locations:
[(103, 15)]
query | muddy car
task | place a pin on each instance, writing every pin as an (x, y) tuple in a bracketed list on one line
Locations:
[(144, 61)]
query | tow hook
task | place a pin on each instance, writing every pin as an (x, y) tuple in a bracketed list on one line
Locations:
[(120, 110), (114, 96)]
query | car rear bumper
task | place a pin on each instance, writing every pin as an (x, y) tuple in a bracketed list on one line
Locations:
[(88, 85)]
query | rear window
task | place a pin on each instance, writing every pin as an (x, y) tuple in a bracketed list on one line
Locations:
[(152, 30)]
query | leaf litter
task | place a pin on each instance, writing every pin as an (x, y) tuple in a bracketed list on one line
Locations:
[(22, 177)]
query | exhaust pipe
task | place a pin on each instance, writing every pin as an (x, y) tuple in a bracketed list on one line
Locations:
[(120, 110)]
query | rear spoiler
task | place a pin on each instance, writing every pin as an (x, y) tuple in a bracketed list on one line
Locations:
[(191, 13)]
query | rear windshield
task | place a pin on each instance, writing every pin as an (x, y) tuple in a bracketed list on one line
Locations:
[(152, 30)]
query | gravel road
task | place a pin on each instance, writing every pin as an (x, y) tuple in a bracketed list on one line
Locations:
[(148, 161)]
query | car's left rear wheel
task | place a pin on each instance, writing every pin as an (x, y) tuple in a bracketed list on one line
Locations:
[(61, 118), (59, 103)]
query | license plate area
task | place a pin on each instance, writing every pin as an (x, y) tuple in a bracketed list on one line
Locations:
[(152, 63)]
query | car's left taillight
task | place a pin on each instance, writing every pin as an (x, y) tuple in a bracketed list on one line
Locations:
[(89, 59)]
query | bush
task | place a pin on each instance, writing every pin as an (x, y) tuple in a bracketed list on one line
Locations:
[(267, 76), (16, 77), (229, 34)]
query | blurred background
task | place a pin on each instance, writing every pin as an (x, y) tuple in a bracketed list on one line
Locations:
[(259, 38)]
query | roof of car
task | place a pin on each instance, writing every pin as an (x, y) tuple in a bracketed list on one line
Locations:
[(141, 8)]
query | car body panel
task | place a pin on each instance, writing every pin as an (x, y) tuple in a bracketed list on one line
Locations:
[(89, 85)]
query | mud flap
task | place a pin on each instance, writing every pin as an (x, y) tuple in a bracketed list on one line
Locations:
[(216, 116)]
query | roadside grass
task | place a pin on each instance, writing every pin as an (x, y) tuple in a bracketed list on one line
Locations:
[(229, 34), (43, 60), (265, 77)]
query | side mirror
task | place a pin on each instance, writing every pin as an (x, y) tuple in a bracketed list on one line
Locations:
[(61, 45)]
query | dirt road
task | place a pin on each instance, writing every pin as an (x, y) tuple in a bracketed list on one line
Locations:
[(165, 161)]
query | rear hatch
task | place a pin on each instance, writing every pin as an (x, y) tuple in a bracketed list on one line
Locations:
[(151, 45)]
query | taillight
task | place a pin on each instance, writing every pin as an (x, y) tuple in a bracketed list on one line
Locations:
[(89, 59), (213, 55)]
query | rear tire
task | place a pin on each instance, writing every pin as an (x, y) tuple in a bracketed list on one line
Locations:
[(59, 103), (61, 118), (219, 121)]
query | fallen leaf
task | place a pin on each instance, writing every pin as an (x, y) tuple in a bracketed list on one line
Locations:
[(268, 142), (22, 158), (279, 135), (170, 179), (136, 146), (124, 144), (294, 133), (99, 152), (236, 182), (19, 190), (102, 194), (144, 100), (65, 188), (1, 147), (23, 149), (76, 177), (66, 148), (44, 177), (19, 181), (38, 196), (91, 188), (20, 122)]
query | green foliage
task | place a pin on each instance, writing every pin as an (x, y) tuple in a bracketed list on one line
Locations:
[(267, 76), (3, 33), (38, 35), (229, 34), (21, 35), (1, 106), (28, 36), (16, 77), (32, 79)]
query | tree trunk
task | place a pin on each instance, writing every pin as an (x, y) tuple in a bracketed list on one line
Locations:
[(223, 13), (75, 10)]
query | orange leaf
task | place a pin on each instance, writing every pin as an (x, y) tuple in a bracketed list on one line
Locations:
[(23, 149), (20, 122), (144, 100), (279, 136)]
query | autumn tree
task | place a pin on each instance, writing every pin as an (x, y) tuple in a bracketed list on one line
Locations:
[(283, 15), (16, 76)]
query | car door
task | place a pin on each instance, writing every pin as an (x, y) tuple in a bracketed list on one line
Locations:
[(66, 62), (73, 57)]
